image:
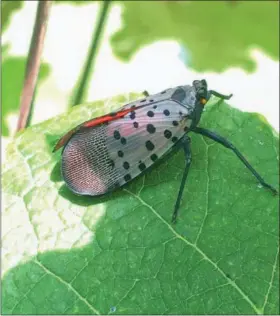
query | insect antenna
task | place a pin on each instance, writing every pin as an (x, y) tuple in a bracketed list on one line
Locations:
[(219, 95)]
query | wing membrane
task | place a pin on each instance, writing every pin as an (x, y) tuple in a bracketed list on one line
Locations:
[(100, 158)]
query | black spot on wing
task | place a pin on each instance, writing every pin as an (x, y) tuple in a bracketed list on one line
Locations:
[(132, 115), (151, 129), (154, 157), (149, 145), (126, 165), (150, 113), (167, 134), (166, 112), (142, 166), (127, 177), (117, 135)]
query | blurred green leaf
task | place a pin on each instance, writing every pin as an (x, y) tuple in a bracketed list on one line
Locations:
[(7, 9), (216, 34), (77, 2), (121, 253), (13, 70)]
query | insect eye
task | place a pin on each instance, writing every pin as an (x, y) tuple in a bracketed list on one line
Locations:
[(203, 101)]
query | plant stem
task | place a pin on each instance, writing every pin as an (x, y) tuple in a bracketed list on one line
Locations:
[(33, 62), (80, 93)]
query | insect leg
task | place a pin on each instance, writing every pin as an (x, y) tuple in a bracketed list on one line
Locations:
[(229, 145), (185, 143)]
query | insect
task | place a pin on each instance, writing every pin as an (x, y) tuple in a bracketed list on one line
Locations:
[(105, 153)]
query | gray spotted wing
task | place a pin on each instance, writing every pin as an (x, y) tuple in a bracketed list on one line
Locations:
[(99, 159)]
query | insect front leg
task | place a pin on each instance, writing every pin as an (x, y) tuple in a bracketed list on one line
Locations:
[(186, 144), (229, 145)]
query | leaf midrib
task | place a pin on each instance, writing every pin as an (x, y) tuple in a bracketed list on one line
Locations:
[(196, 248)]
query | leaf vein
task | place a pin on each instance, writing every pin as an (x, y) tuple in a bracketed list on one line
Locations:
[(271, 280), (194, 246), (71, 288)]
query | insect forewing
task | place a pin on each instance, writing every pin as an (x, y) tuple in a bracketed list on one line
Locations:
[(98, 159)]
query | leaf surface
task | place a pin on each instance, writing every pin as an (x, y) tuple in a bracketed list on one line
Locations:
[(120, 254)]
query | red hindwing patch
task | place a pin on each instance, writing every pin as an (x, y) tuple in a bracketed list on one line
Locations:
[(91, 123), (107, 118)]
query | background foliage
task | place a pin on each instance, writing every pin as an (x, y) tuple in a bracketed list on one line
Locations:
[(205, 29)]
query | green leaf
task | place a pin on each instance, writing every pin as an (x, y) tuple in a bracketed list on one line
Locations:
[(120, 254), (13, 69), (215, 35), (72, 2), (7, 9)]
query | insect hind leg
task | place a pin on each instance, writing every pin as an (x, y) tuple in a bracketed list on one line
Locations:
[(185, 143), (223, 141)]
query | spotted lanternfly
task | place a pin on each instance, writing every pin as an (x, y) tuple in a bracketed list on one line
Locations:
[(106, 152)]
